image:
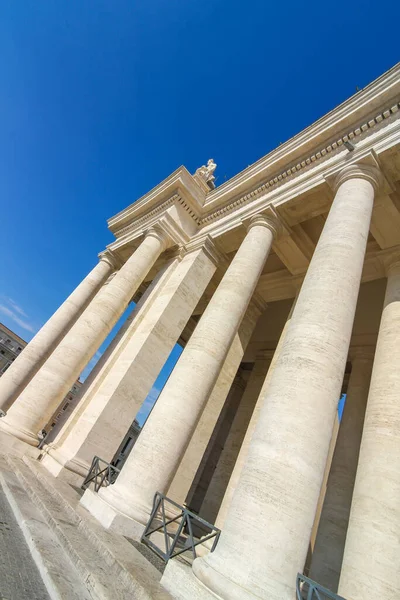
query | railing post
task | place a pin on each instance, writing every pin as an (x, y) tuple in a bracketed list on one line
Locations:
[(99, 475), (315, 590), (186, 517)]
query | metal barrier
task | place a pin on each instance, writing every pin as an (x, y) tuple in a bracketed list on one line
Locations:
[(307, 589), (100, 475), (179, 538)]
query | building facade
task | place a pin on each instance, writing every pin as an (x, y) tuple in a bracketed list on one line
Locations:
[(10, 347), (283, 285)]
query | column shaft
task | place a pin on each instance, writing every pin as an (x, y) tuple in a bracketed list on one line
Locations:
[(331, 535), (244, 449), (215, 448), (189, 466), (109, 357), (114, 405), (60, 425), (227, 460), (274, 504), (371, 561), (42, 395), (28, 363), (156, 455)]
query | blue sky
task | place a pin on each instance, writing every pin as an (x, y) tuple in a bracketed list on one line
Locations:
[(101, 100)]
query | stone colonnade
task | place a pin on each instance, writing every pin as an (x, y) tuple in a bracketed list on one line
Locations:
[(277, 445), (39, 399), (280, 482)]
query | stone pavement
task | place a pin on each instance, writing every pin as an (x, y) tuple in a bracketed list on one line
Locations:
[(19, 576)]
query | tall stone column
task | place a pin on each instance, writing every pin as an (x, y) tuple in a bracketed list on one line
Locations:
[(28, 363), (213, 454), (107, 360), (42, 395), (114, 404), (331, 536), (189, 466), (94, 373), (270, 362), (159, 449), (371, 561), (226, 463), (267, 530)]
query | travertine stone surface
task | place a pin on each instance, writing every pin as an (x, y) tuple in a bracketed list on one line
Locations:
[(269, 362), (103, 423), (27, 364), (274, 503), (42, 395), (107, 361), (185, 475), (94, 373), (216, 444), (223, 471), (156, 455), (331, 536), (371, 561)]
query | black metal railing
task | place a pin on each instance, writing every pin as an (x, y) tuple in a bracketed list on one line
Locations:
[(178, 533), (307, 589), (101, 473)]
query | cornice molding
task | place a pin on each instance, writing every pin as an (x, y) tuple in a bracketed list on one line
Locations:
[(210, 248), (158, 209), (180, 183), (181, 189), (359, 108), (299, 166)]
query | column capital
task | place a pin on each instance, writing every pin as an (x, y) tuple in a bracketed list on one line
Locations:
[(390, 260), (158, 232), (267, 218), (210, 247), (365, 166), (368, 172), (109, 257)]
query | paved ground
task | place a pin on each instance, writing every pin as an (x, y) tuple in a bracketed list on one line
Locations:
[(19, 577), (149, 555)]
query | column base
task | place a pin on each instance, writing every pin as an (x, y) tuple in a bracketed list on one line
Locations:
[(9, 444), (227, 589), (219, 585), (179, 581), (63, 472), (21, 434), (111, 518)]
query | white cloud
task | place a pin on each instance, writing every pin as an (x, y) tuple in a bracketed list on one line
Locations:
[(12, 310), (16, 307)]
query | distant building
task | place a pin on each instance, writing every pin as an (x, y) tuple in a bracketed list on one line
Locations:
[(63, 411), (126, 445), (11, 345)]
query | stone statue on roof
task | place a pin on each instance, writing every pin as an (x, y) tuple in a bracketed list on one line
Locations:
[(206, 173)]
